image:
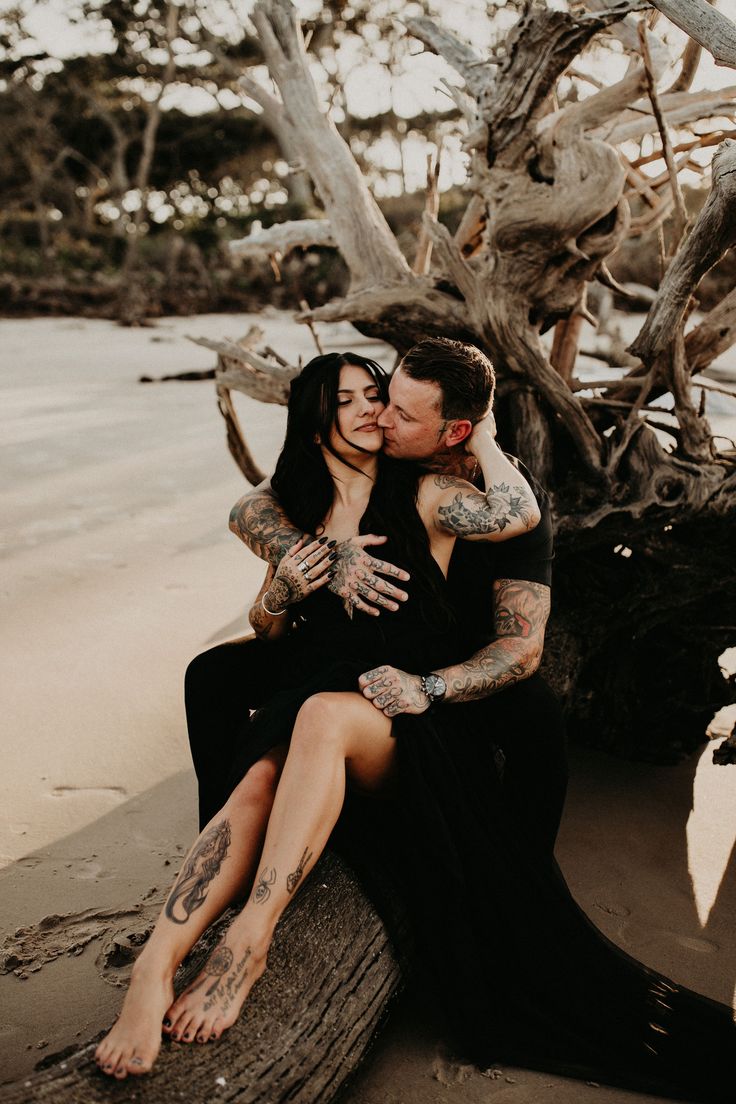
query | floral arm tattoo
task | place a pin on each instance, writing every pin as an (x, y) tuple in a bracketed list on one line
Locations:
[(259, 521), (471, 513), (521, 610)]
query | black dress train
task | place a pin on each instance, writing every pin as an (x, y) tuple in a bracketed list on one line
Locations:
[(523, 975)]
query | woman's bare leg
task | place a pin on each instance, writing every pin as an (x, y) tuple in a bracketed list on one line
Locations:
[(333, 732), (219, 867)]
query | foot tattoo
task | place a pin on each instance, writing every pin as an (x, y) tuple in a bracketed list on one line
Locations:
[(213, 1001)]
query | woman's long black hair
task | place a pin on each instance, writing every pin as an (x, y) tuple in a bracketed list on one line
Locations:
[(305, 489)]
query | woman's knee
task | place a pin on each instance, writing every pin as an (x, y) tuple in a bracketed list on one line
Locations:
[(323, 719), (258, 787)]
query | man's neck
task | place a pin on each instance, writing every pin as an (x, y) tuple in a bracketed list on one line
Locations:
[(453, 462)]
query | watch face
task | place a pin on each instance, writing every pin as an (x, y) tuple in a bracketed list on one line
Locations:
[(434, 686)]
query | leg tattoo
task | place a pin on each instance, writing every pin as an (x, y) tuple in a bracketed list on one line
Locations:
[(190, 891), (263, 890), (293, 879)]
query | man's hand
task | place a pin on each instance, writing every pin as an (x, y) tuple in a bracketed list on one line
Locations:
[(484, 433), (356, 577), (393, 691)]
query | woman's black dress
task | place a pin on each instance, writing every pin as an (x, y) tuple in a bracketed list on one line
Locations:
[(523, 976)]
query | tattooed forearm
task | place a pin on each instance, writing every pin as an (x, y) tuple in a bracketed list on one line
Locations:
[(473, 514), (499, 664), (521, 609), (190, 889), (293, 879), (260, 523), (263, 889)]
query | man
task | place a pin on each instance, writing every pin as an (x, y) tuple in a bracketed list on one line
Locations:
[(439, 392)]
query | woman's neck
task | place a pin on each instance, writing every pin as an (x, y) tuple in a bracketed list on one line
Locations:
[(352, 485)]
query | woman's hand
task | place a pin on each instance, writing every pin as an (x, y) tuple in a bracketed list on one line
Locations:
[(304, 569), (393, 691)]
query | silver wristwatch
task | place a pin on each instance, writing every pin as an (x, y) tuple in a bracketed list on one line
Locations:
[(434, 686)]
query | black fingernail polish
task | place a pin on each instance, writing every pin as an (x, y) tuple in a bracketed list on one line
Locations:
[(322, 540), (332, 544), (332, 556)]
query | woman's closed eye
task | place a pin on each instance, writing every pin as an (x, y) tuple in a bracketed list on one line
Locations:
[(371, 398)]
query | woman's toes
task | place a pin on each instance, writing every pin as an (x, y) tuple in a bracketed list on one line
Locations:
[(138, 1064), (177, 1026), (185, 1029)]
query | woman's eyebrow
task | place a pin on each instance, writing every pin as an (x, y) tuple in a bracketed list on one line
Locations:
[(347, 391)]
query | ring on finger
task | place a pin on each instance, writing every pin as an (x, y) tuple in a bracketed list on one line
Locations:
[(304, 567)]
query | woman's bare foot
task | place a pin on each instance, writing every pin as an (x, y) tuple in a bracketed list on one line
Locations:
[(213, 1001), (133, 1044)]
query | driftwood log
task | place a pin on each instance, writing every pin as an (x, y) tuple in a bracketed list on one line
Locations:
[(644, 501), (332, 975)]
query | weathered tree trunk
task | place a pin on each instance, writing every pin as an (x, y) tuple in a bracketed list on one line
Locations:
[(332, 974), (643, 604)]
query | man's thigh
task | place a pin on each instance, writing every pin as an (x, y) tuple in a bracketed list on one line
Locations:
[(221, 686)]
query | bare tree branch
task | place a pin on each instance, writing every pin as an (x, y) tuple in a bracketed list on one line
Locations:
[(713, 234), (280, 239), (669, 157), (476, 72), (363, 236), (706, 25)]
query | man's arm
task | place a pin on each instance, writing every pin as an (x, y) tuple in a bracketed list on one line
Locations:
[(506, 508), (521, 609), (260, 522)]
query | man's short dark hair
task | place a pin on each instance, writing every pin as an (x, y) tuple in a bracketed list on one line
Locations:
[(463, 373)]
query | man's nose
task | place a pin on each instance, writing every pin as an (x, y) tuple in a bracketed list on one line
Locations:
[(384, 418)]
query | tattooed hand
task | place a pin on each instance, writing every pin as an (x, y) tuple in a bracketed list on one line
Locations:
[(356, 577), (393, 691), (304, 569)]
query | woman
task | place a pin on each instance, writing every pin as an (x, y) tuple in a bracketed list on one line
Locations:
[(319, 729)]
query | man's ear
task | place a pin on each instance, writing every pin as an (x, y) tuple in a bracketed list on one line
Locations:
[(458, 432)]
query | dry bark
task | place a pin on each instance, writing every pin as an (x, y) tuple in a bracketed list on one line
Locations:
[(713, 234), (705, 24)]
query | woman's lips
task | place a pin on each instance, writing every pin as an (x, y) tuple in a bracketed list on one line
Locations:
[(368, 428)]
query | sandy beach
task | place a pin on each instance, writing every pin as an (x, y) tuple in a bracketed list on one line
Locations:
[(118, 568)]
